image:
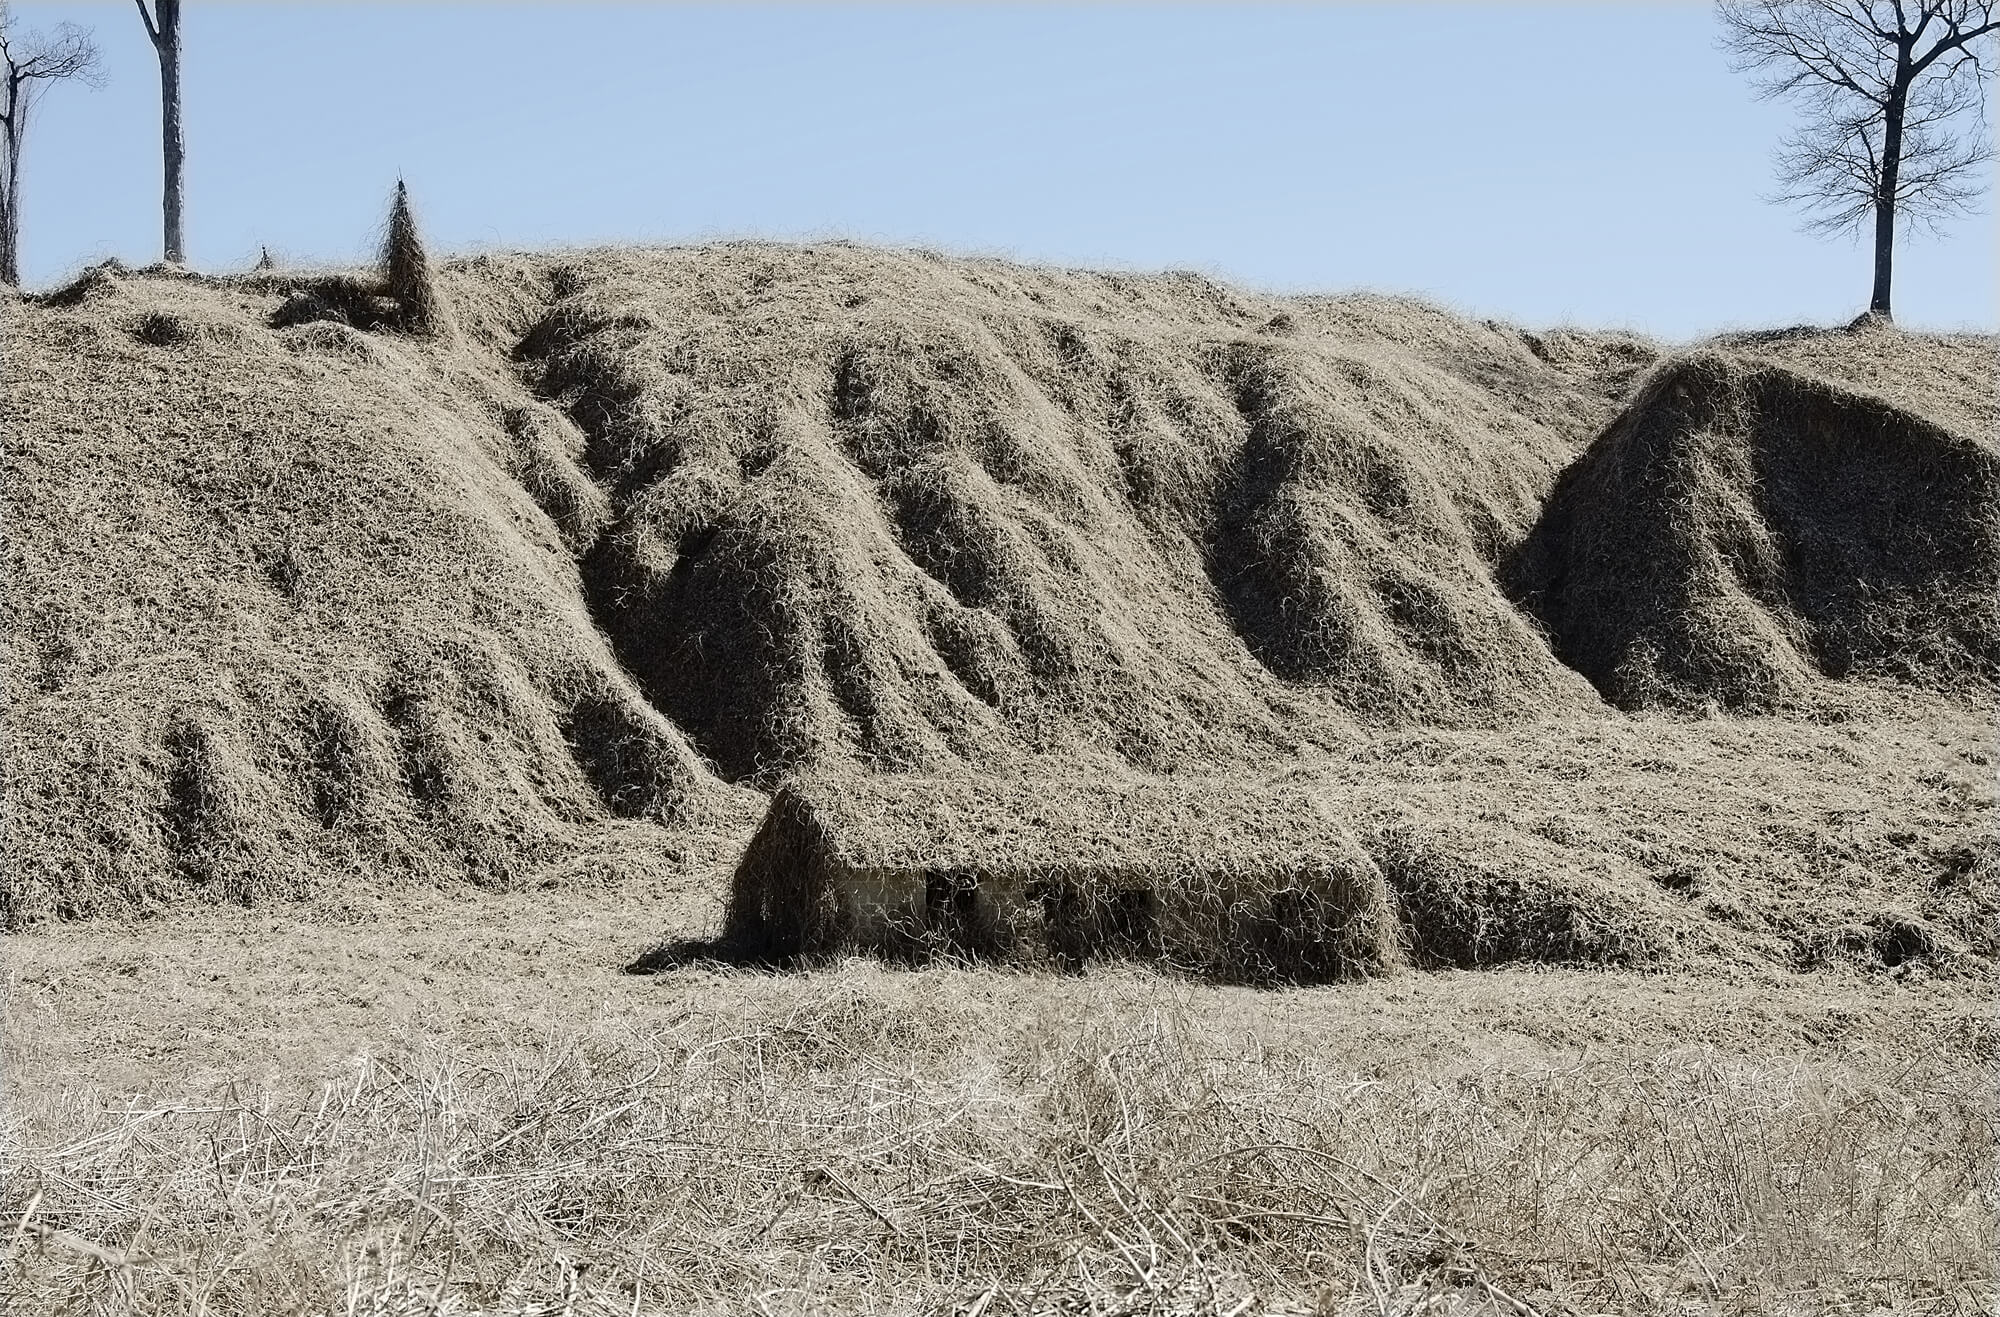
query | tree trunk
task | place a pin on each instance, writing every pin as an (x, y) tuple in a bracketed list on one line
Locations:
[(1885, 200), (11, 233), (172, 145), (10, 192)]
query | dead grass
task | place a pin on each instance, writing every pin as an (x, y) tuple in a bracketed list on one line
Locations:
[(1719, 847), (330, 621), (461, 1100), (224, 551), (654, 520), (1709, 846), (407, 272), (863, 1139), (1244, 882), (921, 513), (1745, 531)]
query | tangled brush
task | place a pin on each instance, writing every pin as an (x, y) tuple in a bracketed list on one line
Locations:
[(406, 267)]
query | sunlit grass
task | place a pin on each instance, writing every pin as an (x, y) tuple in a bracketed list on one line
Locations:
[(863, 1141)]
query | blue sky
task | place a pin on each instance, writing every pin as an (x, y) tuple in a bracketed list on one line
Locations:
[(1589, 163)]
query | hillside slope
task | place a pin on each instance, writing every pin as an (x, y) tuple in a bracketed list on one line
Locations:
[(1748, 528), (912, 510), (279, 618), (297, 604)]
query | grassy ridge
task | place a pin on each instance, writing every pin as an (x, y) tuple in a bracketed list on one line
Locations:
[(298, 596)]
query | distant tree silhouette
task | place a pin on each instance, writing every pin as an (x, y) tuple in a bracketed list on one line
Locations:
[(163, 25), (1894, 97), (28, 63)]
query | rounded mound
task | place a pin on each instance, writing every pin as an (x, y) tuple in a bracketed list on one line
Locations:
[(1746, 529)]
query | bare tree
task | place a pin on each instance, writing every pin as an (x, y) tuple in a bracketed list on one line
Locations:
[(29, 62), (163, 25), (1894, 93)]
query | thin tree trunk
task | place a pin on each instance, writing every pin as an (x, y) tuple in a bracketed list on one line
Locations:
[(10, 226), (1885, 202), (1885, 253), (173, 146), (10, 232), (10, 202)]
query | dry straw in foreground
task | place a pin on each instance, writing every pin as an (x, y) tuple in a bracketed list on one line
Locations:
[(945, 1141)]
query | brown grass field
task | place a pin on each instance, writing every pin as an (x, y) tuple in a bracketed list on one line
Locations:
[(1529, 796)]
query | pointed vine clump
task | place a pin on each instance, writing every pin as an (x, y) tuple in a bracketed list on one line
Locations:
[(407, 269)]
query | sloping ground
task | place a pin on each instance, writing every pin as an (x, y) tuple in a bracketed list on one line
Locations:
[(1747, 528), (916, 510), (1948, 379), (298, 604), (1658, 843), (278, 619)]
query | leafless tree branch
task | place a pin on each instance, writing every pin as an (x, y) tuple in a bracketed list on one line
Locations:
[(1892, 96), (29, 63)]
